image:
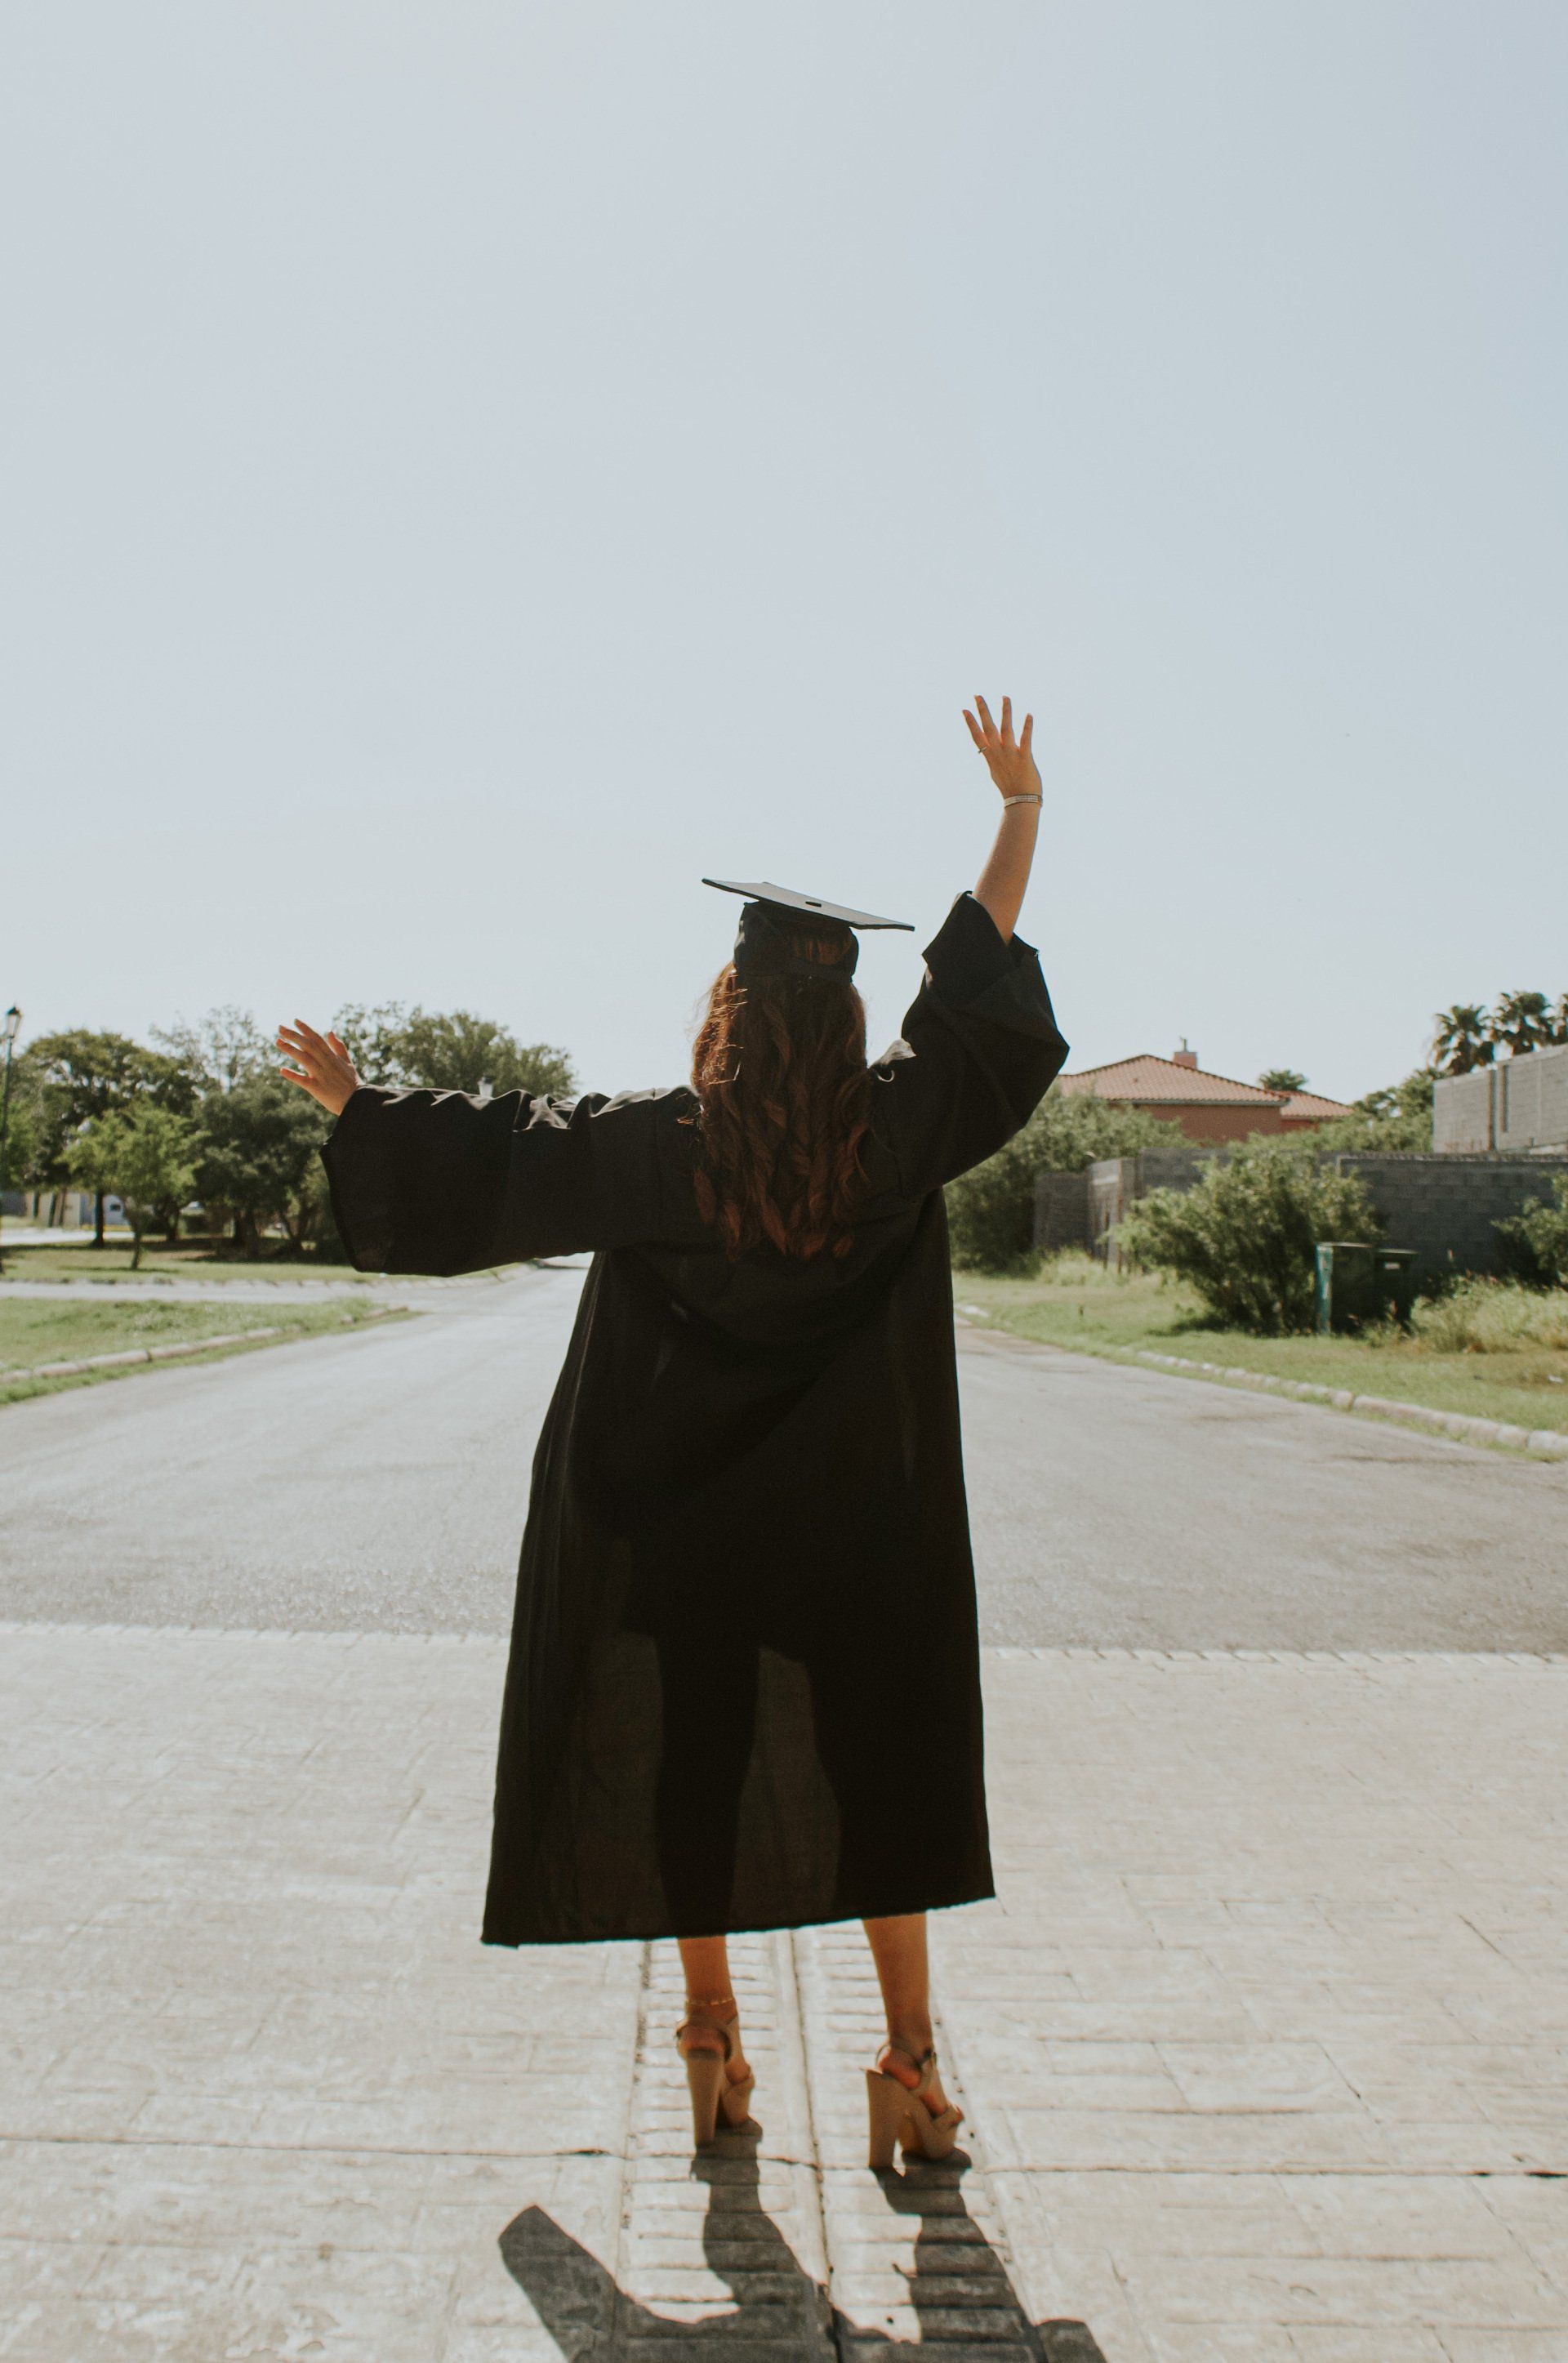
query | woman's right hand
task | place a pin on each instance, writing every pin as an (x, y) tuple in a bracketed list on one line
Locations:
[(328, 1075)]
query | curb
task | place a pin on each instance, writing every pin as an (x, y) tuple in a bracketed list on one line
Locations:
[(1457, 1427), (169, 1353), (1540, 1442)]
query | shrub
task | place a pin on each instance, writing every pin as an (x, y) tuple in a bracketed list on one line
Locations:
[(991, 1211), (1244, 1236), (1534, 1245), (1478, 1315), (1399, 1117)]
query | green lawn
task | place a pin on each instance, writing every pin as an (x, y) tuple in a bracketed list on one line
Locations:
[(196, 1261), (1078, 1304), (37, 1330)]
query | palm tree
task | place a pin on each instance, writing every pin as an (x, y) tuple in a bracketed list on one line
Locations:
[(1283, 1080), (1519, 1021), (1462, 1040), (1560, 1018)]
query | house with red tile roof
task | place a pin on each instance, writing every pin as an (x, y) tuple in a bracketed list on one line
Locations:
[(1202, 1105), (1303, 1110)]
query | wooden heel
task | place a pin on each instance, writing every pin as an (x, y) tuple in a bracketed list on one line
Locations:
[(705, 2076), (888, 2103), (899, 2114), (721, 2110)]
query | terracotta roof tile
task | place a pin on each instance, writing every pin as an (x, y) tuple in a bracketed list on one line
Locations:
[(1161, 1080), (1304, 1105)]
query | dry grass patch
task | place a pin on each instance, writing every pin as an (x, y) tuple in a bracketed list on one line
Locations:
[(1491, 1348)]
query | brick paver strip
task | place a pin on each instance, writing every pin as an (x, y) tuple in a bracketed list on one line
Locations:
[(1264, 2040)]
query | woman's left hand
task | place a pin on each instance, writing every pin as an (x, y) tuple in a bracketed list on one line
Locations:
[(328, 1075), (1010, 765)]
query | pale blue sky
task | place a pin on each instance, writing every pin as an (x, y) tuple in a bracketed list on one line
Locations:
[(471, 469)]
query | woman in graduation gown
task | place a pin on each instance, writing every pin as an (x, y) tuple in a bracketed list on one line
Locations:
[(744, 1683)]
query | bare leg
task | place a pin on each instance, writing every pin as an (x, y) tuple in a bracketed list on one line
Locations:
[(897, 1948), (710, 2001)]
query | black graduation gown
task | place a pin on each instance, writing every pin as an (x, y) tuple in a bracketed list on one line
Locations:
[(743, 1682)]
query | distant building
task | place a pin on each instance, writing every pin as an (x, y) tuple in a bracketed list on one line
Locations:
[(59, 1210), (1202, 1105), (1303, 1110), (1520, 1103)]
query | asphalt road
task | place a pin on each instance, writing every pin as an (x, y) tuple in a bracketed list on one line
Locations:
[(380, 1481)]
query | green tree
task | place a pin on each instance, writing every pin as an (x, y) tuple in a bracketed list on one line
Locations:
[(89, 1160), (76, 1078), (224, 1048), (257, 1155), (450, 1051), (23, 1129), (1399, 1117), (1534, 1245), (1282, 1079), (146, 1155), (990, 1210), (1245, 1236), (1520, 1021), (1462, 1040)]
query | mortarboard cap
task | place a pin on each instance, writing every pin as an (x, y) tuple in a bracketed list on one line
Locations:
[(806, 906), (763, 945)]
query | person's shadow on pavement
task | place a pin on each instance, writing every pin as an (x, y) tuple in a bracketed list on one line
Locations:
[(776, 2302)]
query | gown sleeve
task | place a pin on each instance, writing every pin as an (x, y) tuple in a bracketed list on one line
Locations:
[(980, 1046), (445, 1182)]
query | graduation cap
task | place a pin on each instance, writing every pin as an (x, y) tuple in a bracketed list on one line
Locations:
[(765, 928)]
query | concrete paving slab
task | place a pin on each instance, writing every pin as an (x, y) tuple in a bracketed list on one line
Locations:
[(1262, 2040)]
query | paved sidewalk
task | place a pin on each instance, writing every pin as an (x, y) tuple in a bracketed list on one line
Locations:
[(1264, 2042)]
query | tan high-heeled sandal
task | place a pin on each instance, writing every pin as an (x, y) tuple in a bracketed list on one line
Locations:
[(719, 2108), (899, 2114)]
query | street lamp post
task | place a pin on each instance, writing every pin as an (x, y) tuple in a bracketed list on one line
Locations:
[(12, 1027)]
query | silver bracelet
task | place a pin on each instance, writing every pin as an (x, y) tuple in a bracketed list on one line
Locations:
[(1020, 800)]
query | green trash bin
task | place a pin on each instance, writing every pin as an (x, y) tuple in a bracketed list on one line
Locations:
[(1347, 1293), (1394, 1281), (1358, 1283)]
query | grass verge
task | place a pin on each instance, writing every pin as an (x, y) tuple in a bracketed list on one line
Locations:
[(194, 1261), (198, 1261), (1076, 1304), (37, 1331)]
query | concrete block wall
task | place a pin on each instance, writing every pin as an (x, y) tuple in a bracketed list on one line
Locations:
[(1116, 1183), (1112, 1187), (1445, 1204), (1171, 1169), (1520, 1103), (1531, 1099), (1463, 1119), (1061, 1211)]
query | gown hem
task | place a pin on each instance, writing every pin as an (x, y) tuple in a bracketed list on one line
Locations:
[(663, 1934)]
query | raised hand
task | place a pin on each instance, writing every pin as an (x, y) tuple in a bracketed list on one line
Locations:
[(329, 1074), (1010, 765)]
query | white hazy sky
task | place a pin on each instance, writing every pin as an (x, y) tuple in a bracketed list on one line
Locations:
[(470, 469)]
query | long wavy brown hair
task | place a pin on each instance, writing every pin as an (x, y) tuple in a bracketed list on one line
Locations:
[(779, 1070)]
